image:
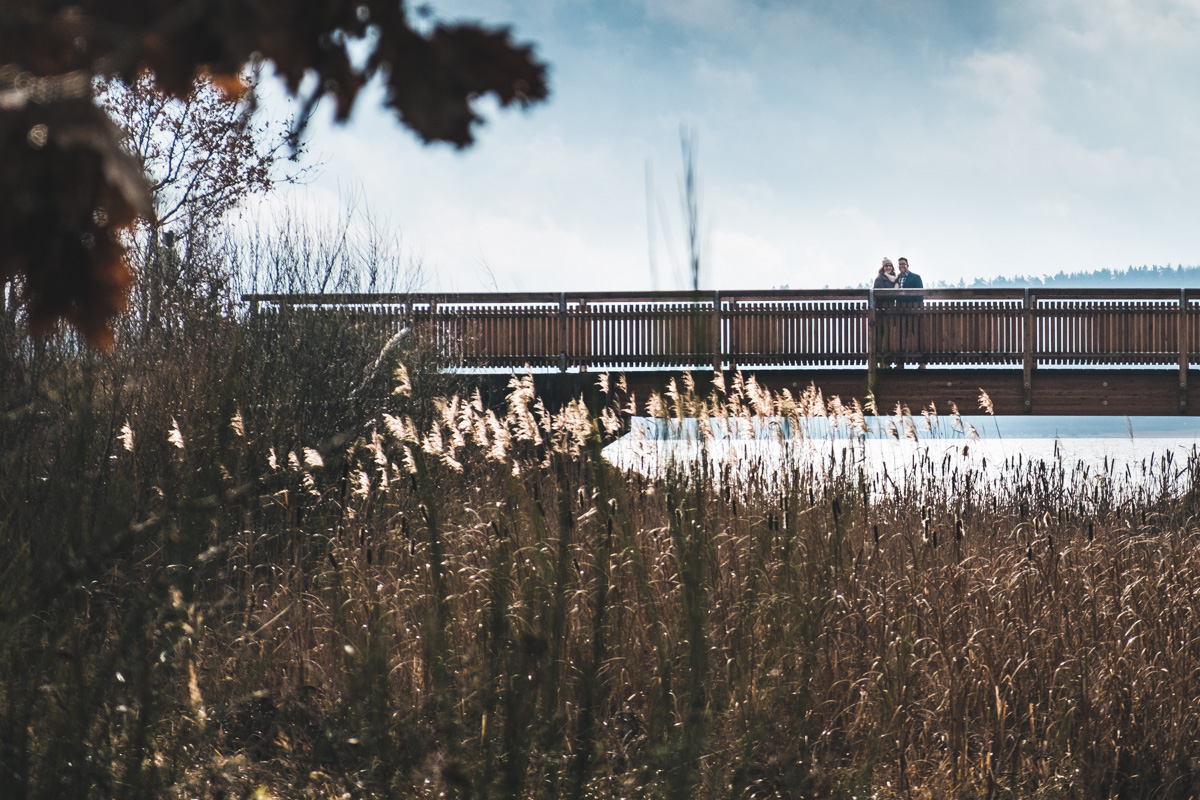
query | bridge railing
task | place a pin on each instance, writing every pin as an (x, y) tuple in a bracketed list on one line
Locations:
[(852, 328)]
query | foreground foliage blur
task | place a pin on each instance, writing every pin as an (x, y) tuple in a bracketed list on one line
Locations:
[(72, 190), (246, 557)]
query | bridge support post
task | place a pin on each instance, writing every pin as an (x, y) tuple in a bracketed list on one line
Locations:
[(1185, 347), (562, 331), (735, 339), (586, 356), (441, 341), (872, 348), (1029, 364), (718, 361)]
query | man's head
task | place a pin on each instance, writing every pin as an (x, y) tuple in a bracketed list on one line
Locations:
[(902, 263)]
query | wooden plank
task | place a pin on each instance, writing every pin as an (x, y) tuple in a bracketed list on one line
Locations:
[(873, 354), (735, 334), (1027, 374), (1183, 345)]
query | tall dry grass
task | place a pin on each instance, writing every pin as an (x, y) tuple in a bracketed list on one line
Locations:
[(221, 576)]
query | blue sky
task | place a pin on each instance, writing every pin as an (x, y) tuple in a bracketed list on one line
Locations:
[(976, 139)]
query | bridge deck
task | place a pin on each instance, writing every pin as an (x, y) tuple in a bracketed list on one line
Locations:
[(856, 337)]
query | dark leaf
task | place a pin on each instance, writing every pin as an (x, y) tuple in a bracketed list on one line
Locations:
[(69, 189)]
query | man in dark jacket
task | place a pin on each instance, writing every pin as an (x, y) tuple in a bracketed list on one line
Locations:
[(908, 280), (910, 329)]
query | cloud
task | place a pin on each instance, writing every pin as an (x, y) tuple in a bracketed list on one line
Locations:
[(1009, 83), (521, 252), (755, 260), (1051, 208), (1104, 27), (737, 83), (724, 16), (978, 138)]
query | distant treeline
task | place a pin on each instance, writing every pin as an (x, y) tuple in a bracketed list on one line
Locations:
[(1143, 277)]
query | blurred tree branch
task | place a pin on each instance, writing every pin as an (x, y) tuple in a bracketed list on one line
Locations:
[(69, 186)]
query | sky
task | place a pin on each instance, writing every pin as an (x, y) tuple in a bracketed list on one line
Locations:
[(975, 138)]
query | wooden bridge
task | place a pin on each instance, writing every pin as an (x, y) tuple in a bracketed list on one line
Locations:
[(1040, 351)]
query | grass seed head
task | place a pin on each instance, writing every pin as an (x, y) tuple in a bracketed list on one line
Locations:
[(985, 403), (610, 421), (401, 429), (403, 385), (126, 437), (432, 443), (631, 407), (655, 407), (377, 452), (673, 396), (501, 437), (174, 435)]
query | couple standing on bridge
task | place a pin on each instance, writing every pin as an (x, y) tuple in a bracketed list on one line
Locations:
[(899, 334), (888, 279)]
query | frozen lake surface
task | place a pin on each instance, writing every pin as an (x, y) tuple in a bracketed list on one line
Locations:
[(1124, 453)]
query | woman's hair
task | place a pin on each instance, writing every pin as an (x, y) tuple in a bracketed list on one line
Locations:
[(887, 264)]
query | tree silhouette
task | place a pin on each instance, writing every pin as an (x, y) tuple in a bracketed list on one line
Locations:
[(203, 155), (68, 188)]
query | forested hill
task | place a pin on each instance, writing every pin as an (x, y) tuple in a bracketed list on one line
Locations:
[(1132, 278)]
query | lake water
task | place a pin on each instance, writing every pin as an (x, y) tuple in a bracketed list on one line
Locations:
[(1122, 454)]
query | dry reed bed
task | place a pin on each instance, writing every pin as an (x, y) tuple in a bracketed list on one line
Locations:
[(542, 625), (459, 601)]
